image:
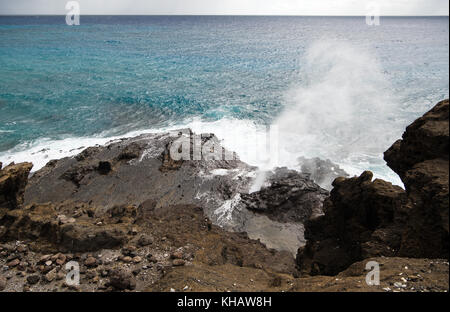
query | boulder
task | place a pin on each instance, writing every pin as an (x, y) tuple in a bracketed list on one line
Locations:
[(363, 218), (421, 159), (288, 196)]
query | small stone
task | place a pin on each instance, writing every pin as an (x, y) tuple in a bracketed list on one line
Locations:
[(145, 240), (172, 290), (127, 259), (177, 254), (44, 258), (186, 288), (62, 219), (137, 259), (136, 271), (13, 263), (33, 279), (90, 262), (48, 262), (178, 262), (60, 276), (50, 276), (122, 279)]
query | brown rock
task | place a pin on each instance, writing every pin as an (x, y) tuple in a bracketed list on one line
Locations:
[(13, 179), (122, 279), (13, 263), (178, 254), (137, 259), (362, 219), (90, 262), (421, 159), (51, 275), (33, 279), (127, 259), (178, 262)]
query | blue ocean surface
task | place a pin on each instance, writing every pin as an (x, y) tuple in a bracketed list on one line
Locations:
[(345, 83)]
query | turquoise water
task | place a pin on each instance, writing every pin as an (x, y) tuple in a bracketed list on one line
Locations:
[(113, 75)]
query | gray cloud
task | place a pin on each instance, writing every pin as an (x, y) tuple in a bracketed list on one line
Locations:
[(231, 7)]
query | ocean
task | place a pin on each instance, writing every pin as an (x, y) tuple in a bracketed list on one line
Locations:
[(331, 87)]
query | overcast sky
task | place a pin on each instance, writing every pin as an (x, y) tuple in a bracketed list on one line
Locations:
[(229, 7)]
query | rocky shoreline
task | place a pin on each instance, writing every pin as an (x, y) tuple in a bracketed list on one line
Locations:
[(134, 219)]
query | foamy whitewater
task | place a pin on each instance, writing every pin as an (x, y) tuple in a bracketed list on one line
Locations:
[(271, 88)]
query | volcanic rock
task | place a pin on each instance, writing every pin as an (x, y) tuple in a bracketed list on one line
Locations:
[(13, 179), (421, 158)]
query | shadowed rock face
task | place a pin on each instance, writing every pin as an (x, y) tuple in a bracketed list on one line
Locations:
[(421, 158), (13, 179), (368, 219), (362, 219)]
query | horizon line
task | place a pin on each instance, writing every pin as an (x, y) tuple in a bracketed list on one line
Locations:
[(244, 15)]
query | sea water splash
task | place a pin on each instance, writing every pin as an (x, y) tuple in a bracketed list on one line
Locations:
[(342, 110)]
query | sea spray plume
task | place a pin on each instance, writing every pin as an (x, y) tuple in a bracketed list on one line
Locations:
[(342, 107)]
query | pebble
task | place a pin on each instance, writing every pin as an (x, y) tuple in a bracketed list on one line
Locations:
[(177, 254), (137, 259), (127, 259), (60, 276), (90, 262), (33, 279), (44, 258), (145, 240), (178, 262), (13, 263), (172, 290), (186, 288), (50, 276), (48, 262)]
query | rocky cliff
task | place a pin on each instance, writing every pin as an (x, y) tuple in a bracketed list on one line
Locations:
[(365, 218)]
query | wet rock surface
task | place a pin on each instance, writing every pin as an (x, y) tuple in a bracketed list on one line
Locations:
[(287, 196), (322, 172)]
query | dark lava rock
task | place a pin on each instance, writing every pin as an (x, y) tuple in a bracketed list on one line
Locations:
[(33, 279), (104, 167), (362, 219), (289, 197), (370, 219), (322, 172), (421, 158)]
